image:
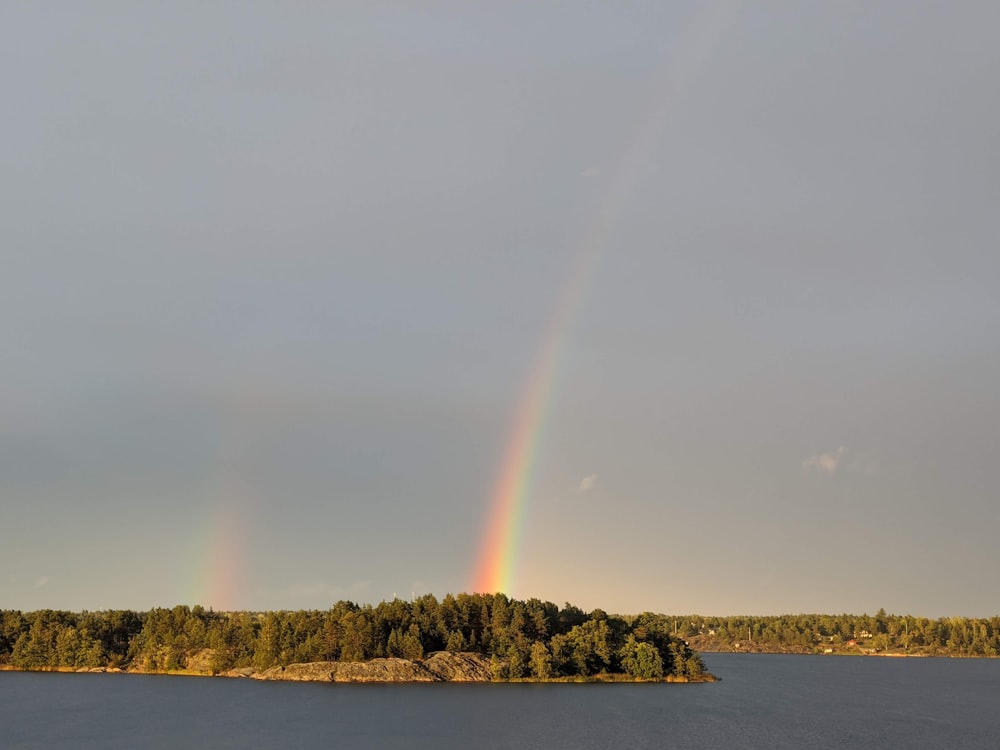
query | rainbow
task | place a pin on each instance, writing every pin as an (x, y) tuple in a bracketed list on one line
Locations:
[(216, 565), (498, 553), (499, 550), (215, 570)]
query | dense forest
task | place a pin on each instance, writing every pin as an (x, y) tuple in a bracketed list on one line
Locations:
[(880, 633), (524, 639)]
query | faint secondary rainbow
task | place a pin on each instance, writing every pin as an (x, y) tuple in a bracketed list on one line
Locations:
[(215, 578), (217, 561), (498, 553)]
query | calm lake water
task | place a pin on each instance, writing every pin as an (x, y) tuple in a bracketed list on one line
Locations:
[(764, 701)]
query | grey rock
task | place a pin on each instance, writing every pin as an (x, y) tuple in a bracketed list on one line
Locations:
[(440, 666)]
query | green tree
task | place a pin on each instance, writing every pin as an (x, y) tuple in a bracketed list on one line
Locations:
[(498, 670), (394, 644), (411, 646), (518, 659), (641, 659), (589, 648), (456, 641), (268, 643), (541, 661), (68, 647)]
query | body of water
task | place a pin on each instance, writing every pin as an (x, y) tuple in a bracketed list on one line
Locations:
[(763, 701)]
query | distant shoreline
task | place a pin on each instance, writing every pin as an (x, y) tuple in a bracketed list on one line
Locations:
[(852, 654)]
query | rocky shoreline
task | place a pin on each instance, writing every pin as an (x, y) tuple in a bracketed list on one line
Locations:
[(439, 666)]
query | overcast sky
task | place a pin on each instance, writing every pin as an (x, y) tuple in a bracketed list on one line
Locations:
[(274, 276)]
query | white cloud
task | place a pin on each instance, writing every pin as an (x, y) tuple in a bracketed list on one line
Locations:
[(590, 172), (587, 483), (825, 463), (41, 582)]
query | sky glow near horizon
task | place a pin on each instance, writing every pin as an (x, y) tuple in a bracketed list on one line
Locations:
[(275, 280)]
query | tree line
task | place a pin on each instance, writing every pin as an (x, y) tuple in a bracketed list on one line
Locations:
[(812, 633), (525, 639)]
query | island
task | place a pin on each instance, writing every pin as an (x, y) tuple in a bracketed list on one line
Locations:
[(460, 638)]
